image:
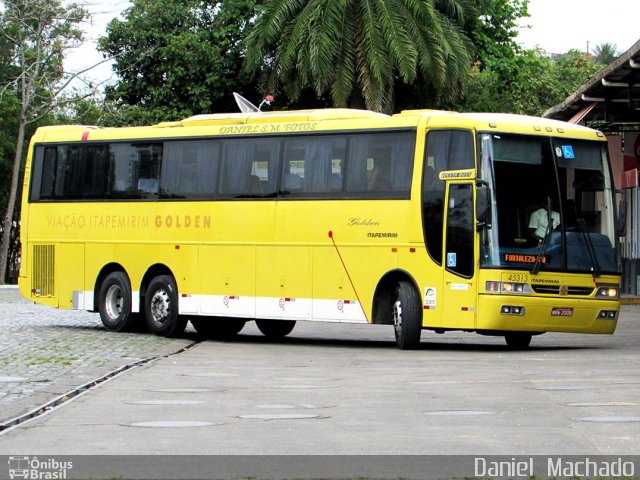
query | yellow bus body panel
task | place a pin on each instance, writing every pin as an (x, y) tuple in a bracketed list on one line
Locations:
[(296, 259)]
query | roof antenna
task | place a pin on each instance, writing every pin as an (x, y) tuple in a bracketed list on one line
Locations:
[(246, 106)]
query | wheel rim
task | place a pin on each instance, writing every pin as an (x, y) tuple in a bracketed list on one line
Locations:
[(160, 307), (114, 302), (397, 317)]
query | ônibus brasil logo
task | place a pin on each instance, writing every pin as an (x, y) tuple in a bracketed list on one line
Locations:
[(33, 468)]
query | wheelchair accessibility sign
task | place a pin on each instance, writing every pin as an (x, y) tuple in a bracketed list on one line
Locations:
[(451, 259), (567, 151)]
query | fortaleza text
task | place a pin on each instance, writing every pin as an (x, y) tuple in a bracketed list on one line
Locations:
[(555, 467)]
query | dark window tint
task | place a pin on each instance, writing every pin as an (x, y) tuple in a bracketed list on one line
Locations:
[(445, 150), (313, 166), (190, 169), (375, 165), (380, 165), (70, 172), (135, 170), (459, 246), (96, 180), (249, 168)]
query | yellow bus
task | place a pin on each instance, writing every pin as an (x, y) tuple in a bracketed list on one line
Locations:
[(496, 224)]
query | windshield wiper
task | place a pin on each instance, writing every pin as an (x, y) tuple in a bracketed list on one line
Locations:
[(593, 258), (545, 240)]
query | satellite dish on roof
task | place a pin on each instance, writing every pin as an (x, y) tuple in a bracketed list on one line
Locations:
[(246, 106)]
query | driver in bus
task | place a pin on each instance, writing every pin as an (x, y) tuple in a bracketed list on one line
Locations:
[(539, 222)]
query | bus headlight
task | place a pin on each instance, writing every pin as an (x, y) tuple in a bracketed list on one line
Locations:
[(612, 293), (507, 287)]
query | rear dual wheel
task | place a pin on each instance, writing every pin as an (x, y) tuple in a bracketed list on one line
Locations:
[(161, 307), (114, 304)]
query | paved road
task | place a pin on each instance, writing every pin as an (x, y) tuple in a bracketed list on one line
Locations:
[(328, 389), (46, 352)]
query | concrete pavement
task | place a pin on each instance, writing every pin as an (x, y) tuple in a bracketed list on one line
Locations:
[(345, 389), (45, 352)]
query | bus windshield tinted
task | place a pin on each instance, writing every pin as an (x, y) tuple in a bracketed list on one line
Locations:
[(552, 205)]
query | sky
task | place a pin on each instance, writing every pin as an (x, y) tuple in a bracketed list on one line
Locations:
[(561, 25), (556, 26)]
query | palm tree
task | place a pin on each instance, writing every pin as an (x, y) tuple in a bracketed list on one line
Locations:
[(606, 53), (355, 49)]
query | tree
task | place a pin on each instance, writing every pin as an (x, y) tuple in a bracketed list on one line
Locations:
[(37, 33), (536, 83), (493, 31), (606, 53), (354, 49), (175, 58), (492, 28)]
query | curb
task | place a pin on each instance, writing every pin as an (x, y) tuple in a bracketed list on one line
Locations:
[(630, 300)]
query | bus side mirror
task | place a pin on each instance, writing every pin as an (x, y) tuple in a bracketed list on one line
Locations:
[(483, 205), (622, 214)]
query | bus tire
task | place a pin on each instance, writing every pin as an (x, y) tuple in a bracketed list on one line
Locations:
[(217, 328), (406, 311), (161, 307), (114, 304), (275, 328), (518, 340)]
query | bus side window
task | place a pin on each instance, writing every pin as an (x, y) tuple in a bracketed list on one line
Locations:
[(248, 167), (293, 171), (323, 155), (47, 184), (134, 170), (380, 164), (262, 181), (94, 184), (190, 169)]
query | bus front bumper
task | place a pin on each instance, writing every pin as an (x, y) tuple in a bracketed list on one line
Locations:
[(500, 312)]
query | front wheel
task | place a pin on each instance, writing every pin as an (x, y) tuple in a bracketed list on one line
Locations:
[(114, 303), (275, 328), (161, 307), (406, 311)]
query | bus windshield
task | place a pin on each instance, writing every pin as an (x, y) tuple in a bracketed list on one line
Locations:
[(552, 205)]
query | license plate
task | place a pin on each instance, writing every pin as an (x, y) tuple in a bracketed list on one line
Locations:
[(562, 312)]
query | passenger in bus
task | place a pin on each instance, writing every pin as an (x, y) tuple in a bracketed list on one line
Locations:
[(335, 182), (380, 176), (539, 222), (255, 188)]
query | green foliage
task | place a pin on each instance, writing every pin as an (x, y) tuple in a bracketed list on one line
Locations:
[(176, 58), (493, 31), (354, 50), (530, 84), (9, 112), (606, 53), (78, 110), (35, 36)]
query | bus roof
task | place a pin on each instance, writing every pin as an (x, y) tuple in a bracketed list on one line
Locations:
[(329, 119), (504, 122)]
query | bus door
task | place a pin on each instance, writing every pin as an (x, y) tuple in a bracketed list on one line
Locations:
[(459, 282)]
